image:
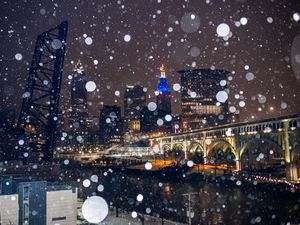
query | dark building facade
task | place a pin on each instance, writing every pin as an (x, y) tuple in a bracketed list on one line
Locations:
[(149, 120), (110, 124), (134, 101), (78, 111), (200, 107)]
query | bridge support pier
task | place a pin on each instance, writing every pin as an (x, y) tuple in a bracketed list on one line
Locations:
[(238, 165), (291, 167), (292, 172)]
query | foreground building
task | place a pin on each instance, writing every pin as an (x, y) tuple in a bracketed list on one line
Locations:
[(36, 202), (199, 105)]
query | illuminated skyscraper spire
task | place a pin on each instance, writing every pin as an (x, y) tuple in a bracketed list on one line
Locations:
[(162, 71), (78, 67), (163, 86)]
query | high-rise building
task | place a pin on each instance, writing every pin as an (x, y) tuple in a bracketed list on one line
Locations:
[(78, 111), (163, 97), (110, 124), (134, 101), (199, 105), (160, 119), (149, 120)]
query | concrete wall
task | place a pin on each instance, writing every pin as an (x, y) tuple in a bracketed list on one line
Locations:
[(9, 209)]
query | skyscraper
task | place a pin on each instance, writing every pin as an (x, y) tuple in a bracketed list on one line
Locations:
[(134, 101), (200, 107), (78, 112), (110, 124), (163, 97)]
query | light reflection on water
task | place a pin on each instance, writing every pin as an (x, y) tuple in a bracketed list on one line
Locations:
[(215, 203)]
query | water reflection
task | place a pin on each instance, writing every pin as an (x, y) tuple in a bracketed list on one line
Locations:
[(215, 203)]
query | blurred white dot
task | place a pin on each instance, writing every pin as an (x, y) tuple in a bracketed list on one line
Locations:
[(222, 96), (223, 83), (193, 94), (21, 142), (244, 20), (190, 163), (270, 20), (139, 198), (100, 188), (86, 183), (242, 104), (208, 141), (18, 56), (88, 40), (148, 165), (160, 122), (152, 106), (232, 109), (168, 117), (296, 17), (90, 86), (95, 62), (127, 38), (94, 178), (283, 105), (249, 76), (56, 44), (134, 214), (223, 30), (176, 87)]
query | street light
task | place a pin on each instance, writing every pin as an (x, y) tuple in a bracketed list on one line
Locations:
[(190, 214)]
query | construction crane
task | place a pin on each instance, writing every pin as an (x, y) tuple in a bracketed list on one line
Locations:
[(39, 113)]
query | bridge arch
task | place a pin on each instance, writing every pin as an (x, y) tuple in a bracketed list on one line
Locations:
[(195, 147), (166, 147), (262, 153), (195, 152), (175, 153), (221, 152)]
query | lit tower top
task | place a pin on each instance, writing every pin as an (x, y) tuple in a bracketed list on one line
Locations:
[(78, 67), (163, 86)]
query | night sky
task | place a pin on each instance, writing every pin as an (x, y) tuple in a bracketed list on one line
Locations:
[(181, 34)]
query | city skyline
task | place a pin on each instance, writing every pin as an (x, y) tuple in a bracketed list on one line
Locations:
[(150, 112), (111, 48)]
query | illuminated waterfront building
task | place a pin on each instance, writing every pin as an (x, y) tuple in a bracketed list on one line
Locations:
[(199, 105)]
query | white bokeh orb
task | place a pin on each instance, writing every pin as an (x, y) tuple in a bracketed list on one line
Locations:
[(95, 209)]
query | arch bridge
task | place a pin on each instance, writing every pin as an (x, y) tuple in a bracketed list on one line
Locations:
[(265, 143)]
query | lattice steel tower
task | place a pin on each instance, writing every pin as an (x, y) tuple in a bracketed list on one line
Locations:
[(39, 112)]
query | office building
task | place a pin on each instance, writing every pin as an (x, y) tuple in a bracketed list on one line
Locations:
[(110, 124), (78, 112), (200, 107), (134, 101)]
